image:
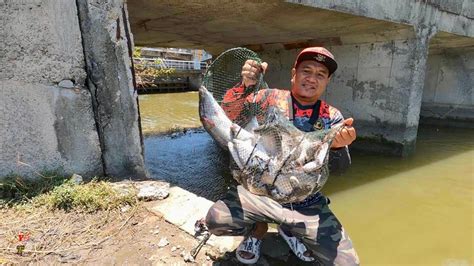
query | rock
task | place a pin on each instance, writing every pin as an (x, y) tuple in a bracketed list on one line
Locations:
[(215, 254), (68, 257), (125, 208), (163, 242), (124, 188), (187, 256), (152, 190), (157, 231), (173, 249), (76, 179), (67, 84)]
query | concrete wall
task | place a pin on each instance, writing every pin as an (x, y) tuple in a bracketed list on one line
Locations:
[(448, 97), (453, 16), (46, 112), (60, 110)]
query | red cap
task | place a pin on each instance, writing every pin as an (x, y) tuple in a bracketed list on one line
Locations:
[(318, 54)]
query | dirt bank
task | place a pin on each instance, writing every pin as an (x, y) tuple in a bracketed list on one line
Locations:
[(130, 235)]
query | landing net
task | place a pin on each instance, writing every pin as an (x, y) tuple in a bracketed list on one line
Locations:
[(225, 73), (271, 156)]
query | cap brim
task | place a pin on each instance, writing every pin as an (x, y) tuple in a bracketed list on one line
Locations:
[(320, 58)]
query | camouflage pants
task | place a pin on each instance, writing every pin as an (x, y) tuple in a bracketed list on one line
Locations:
[(315, 225)]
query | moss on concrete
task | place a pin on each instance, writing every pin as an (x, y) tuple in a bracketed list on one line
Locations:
[(381, 145)]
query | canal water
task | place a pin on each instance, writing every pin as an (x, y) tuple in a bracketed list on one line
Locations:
[(411, 211)]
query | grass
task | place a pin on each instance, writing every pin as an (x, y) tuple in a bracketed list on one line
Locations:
[(16, 189), (58, 192), (89, 197)]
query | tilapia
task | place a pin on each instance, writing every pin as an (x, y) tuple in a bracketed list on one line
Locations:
[(274, 159), (283, 162)]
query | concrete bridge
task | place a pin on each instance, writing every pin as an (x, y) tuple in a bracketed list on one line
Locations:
[(396, 58), (68, 101)]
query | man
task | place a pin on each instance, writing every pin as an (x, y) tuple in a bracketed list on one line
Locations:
[(309, 227)]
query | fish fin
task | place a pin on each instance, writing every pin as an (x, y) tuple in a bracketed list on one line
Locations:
[(321, 154), (252, 125), (235, 154), (241, 133), (295, 183), (310, 167)]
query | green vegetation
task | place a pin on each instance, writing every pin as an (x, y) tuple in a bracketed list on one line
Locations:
[(15, 189), (89, 197), (146, 72), (58, 192)]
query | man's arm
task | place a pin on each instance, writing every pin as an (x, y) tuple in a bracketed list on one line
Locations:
[(236, 99), (339, 157)]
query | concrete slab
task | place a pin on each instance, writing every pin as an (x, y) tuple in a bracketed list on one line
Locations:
[(183, 208)]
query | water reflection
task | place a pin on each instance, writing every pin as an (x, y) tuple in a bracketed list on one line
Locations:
[(160, 112), (191, 161)]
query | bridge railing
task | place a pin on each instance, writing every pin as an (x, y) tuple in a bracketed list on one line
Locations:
[(170, 63)]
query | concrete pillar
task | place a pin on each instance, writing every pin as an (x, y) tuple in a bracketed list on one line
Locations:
[(448, 97), (107, 45), (46, 117)]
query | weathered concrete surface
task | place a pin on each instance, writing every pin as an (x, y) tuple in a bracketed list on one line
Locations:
[(216, 27), (107, 48), (47, 126), (453, 16), (61, 111), (448, 96)]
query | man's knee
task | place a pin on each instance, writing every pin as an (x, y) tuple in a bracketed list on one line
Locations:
[(216, 218), (347, 257), (346, 253)]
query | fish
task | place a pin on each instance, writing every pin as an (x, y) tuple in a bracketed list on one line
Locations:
[(214, 119), (282, 162), (272, 158)]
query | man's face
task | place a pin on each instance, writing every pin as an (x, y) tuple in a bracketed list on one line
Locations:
[(309, 81)]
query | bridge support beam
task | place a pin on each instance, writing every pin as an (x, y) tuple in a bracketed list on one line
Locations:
[(107, 48), (448, 93)]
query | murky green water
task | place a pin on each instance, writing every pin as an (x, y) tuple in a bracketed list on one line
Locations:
[(160, 112), (413, 211)]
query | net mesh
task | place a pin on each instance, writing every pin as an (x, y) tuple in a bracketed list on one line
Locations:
[(225, 73)]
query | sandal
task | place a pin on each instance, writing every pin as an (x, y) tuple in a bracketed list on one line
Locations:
[(296, 245), (250, 245)]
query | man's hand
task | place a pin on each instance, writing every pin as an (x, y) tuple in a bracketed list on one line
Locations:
[(346, 136), (250, 71)]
